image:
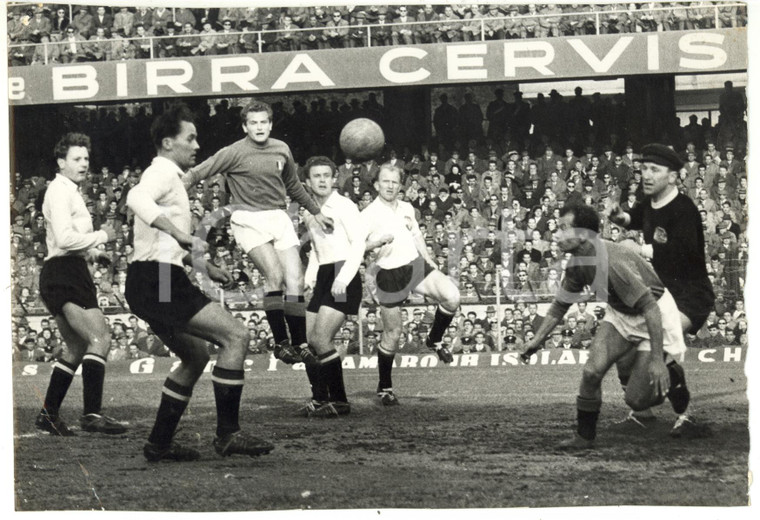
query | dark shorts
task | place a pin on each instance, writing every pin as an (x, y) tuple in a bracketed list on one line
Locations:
[(695, 299), (395, 285), (323, 294), (144, 296), (66, 279)]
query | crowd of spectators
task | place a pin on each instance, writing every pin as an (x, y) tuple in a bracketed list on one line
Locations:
[(99, 33), (487, 211)]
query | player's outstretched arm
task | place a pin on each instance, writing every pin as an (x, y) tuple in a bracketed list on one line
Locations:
[(547, 326), (616, 215)]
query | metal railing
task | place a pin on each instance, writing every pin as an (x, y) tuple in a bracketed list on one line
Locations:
[(599, 17)]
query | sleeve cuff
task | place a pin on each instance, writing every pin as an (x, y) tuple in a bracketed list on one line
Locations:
[(647, 251)]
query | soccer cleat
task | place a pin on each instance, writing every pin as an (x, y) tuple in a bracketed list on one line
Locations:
[(634, 420), (576, 443), (306, 355), (93, 422), (52, 425), (241, 443), (687, 426), (284, 352), (172, 451), (444, 354), (331, 409), (387, 397), (308, 409)]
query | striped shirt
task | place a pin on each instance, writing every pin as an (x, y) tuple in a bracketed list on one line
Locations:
[(159, 192), (68, 224)]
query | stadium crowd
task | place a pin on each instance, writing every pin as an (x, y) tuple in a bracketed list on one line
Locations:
[(97, 33), (487, 203)]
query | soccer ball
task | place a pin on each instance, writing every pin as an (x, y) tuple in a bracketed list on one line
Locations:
[(362, 139)]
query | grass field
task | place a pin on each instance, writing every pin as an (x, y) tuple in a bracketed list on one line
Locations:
[(468, 437)]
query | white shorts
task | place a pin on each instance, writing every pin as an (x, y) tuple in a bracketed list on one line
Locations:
[(255, 228), (634, 327)]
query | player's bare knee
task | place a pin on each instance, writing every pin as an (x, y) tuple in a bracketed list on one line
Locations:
[(592, 376), (636, 403), (451, 300), (238, 337), (197, 361)]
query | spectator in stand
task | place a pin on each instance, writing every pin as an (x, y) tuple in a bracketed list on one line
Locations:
[(38, 24), (123, 22), (83, 21), (72, 47), (335, 35), (160, 19), (102, 20), (226, 41), (99, 46)]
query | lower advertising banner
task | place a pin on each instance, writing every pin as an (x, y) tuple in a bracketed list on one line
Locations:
[(507, 360)]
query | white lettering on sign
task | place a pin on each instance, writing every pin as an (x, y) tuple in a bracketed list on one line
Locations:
[(122, 86), (705, 356), (429, 360), (29, 370), (247, 365), (78, 82), (313, 73), (142, 366), (409, 361), (606, 63), (348, 363), (732, 354), (387, 59), (367, 362), (700, 44), (465, 62), (246, 71), (653, 52), (539, 56), (468, 360), (171, 74), (566, 358), (272, 364), (16, 89)]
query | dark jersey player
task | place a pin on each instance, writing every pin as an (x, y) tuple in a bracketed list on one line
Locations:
[(675, 244), (641, 317), (260, 172)]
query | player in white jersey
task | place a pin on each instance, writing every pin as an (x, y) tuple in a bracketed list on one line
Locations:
[(402, 266), (337, 288), (68, 291), (159, 291)]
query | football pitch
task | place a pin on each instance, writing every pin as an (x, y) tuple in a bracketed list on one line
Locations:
[(475, 437)]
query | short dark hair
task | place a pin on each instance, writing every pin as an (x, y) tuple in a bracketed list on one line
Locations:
[(169, 123), (319, 160), (584, 216), (256, 106), (69, 140)]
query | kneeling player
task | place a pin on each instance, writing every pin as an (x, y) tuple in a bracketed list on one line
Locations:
[(338, 288), (641, 315), (402, 265)]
